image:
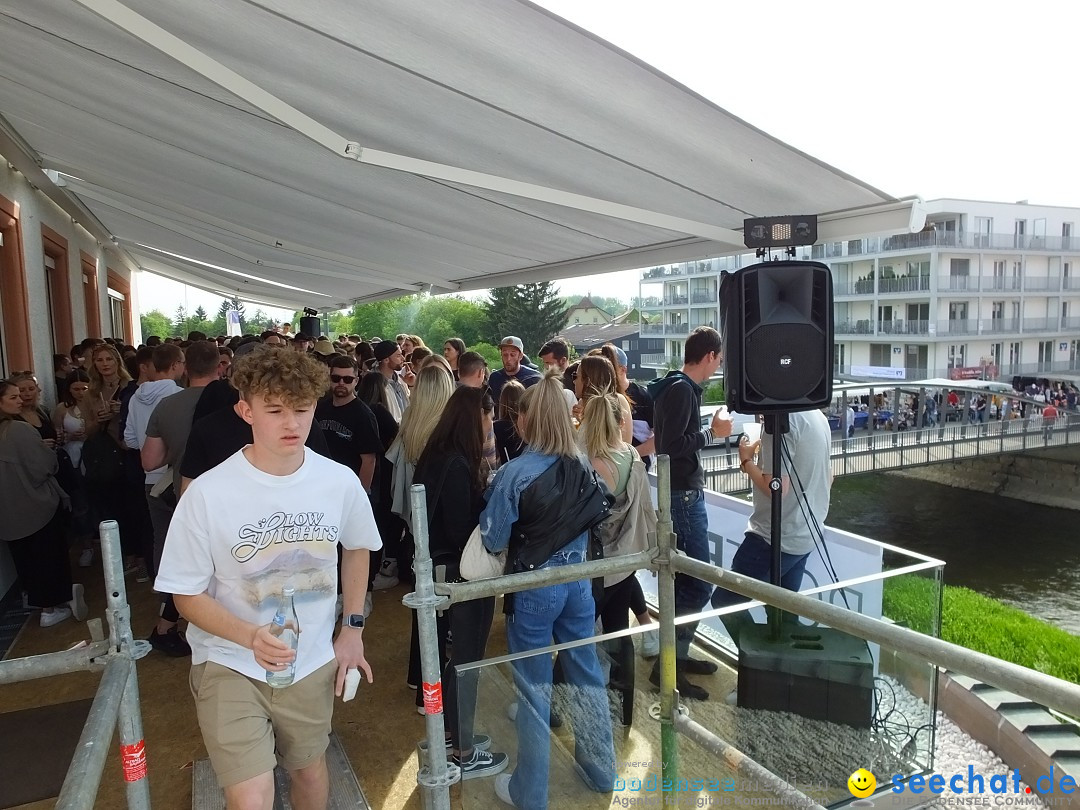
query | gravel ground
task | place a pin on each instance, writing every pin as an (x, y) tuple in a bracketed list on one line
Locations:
[(956, 751)]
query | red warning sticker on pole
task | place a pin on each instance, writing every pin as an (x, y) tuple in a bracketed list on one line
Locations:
[(134, 760), (433, 698)]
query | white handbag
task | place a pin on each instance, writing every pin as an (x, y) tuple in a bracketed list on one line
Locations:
[(479, 563)]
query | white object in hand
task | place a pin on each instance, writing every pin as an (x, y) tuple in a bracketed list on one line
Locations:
[(752, 430), (352, 681)]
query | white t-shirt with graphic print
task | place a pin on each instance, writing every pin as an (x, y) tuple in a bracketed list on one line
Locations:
[(241, 535)]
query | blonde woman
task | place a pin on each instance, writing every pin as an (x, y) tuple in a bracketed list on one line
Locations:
[(595, 376), (547, 496), (632, 516), (31, 412), (108, 379)]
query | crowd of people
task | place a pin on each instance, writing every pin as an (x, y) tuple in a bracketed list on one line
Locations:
[(235, 467)]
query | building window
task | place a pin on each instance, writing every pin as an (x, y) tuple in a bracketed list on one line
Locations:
[(119, 294), (58, 288), (881, 354), (16, 351), (90, 295), (958, 355)]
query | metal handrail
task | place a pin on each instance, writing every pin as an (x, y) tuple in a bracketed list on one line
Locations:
[(1045, 689)]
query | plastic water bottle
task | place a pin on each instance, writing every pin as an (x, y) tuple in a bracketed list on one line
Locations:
[(287, 628)]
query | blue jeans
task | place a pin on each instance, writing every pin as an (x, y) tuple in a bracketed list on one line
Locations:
[(566, 613), (691, 524), (754, 559)]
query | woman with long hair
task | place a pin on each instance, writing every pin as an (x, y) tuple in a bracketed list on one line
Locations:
[(434, 387), (451, 472), (508, 444), (69, 420), (31, 412), (547, 496), (34, 531), (452, 349), (110, 386), (596, 377), (626, 531)]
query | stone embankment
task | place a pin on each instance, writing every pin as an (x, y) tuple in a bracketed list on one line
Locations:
[(1048, 477)]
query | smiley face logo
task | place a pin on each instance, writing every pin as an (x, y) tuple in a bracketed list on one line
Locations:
[(861, 783)]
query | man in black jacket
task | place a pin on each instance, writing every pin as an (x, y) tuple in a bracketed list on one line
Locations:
[(677, 424)]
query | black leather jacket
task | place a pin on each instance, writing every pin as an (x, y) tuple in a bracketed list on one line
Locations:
[(565, 500)]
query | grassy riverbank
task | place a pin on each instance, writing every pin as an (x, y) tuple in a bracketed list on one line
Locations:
[(983, 624)]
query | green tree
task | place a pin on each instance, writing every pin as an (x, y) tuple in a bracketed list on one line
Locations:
[(180, 321), (440, 317), (157, 323), (533, 312), (489, 353), (379, 318)]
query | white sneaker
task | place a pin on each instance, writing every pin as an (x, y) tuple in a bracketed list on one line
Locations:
[(86, 558), (420, 710), (387, 576), (502, 788), (55, 616), (511, 711), (650, 643), (78, 603)]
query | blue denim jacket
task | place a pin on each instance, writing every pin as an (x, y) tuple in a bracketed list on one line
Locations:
[(502, 496)]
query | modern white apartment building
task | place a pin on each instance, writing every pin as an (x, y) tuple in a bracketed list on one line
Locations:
[(989, 290)]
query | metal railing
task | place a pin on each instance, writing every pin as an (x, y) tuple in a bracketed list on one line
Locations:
[(435, 776), (877, 450), (116, 705)]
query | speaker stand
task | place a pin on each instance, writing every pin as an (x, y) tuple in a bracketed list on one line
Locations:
[(776, 425)]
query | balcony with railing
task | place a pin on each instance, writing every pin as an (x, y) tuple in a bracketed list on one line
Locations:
[(1072, 284), (927, 240), (903, 327), (958, 326), (706, 297), (660, 360), (852, 327), (904, 284), (675, 300), (1070, 324), (999, 326), (958, 284), (1041, 284), (1040, 325), (1000, 284)]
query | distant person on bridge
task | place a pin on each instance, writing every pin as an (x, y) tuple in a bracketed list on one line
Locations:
[(1049, 415)]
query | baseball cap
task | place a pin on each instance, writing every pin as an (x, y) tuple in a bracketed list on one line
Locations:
[(510, 340), (620, 355)]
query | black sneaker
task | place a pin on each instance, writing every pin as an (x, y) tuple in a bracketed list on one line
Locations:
[(695, 666), (481, 741), (687, 689), (481, 764), (171, 643)]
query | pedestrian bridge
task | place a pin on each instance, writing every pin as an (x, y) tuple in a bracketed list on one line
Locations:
[(877, 450)]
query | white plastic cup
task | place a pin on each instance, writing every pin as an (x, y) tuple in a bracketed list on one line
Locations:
[(752, 431)]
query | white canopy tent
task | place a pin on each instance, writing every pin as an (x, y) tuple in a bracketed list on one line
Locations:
[(318, 153)]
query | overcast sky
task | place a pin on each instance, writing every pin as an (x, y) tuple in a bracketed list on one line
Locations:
[(938, 99)]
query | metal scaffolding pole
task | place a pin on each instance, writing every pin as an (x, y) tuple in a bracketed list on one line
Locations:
[(744, 765), (84, 774), (49, 664), (669, 698), (436, 774)]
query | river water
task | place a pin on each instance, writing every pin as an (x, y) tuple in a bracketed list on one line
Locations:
[(1020, 553)]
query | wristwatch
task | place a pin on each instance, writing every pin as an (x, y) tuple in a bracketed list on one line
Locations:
[(353, 620)]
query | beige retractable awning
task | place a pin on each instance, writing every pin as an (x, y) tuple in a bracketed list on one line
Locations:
[(320, 152)]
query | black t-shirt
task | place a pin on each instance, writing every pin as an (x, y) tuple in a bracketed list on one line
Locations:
[(220, 434), (350, 431)]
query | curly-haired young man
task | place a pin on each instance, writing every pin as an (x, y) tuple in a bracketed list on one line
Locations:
[(273, 514)]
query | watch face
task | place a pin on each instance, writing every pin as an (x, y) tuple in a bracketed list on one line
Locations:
[(356, 620)]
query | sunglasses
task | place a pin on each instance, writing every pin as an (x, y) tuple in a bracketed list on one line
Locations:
[(348, 380)]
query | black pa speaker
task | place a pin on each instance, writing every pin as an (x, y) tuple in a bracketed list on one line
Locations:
[(777, 319), (311, 327)]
